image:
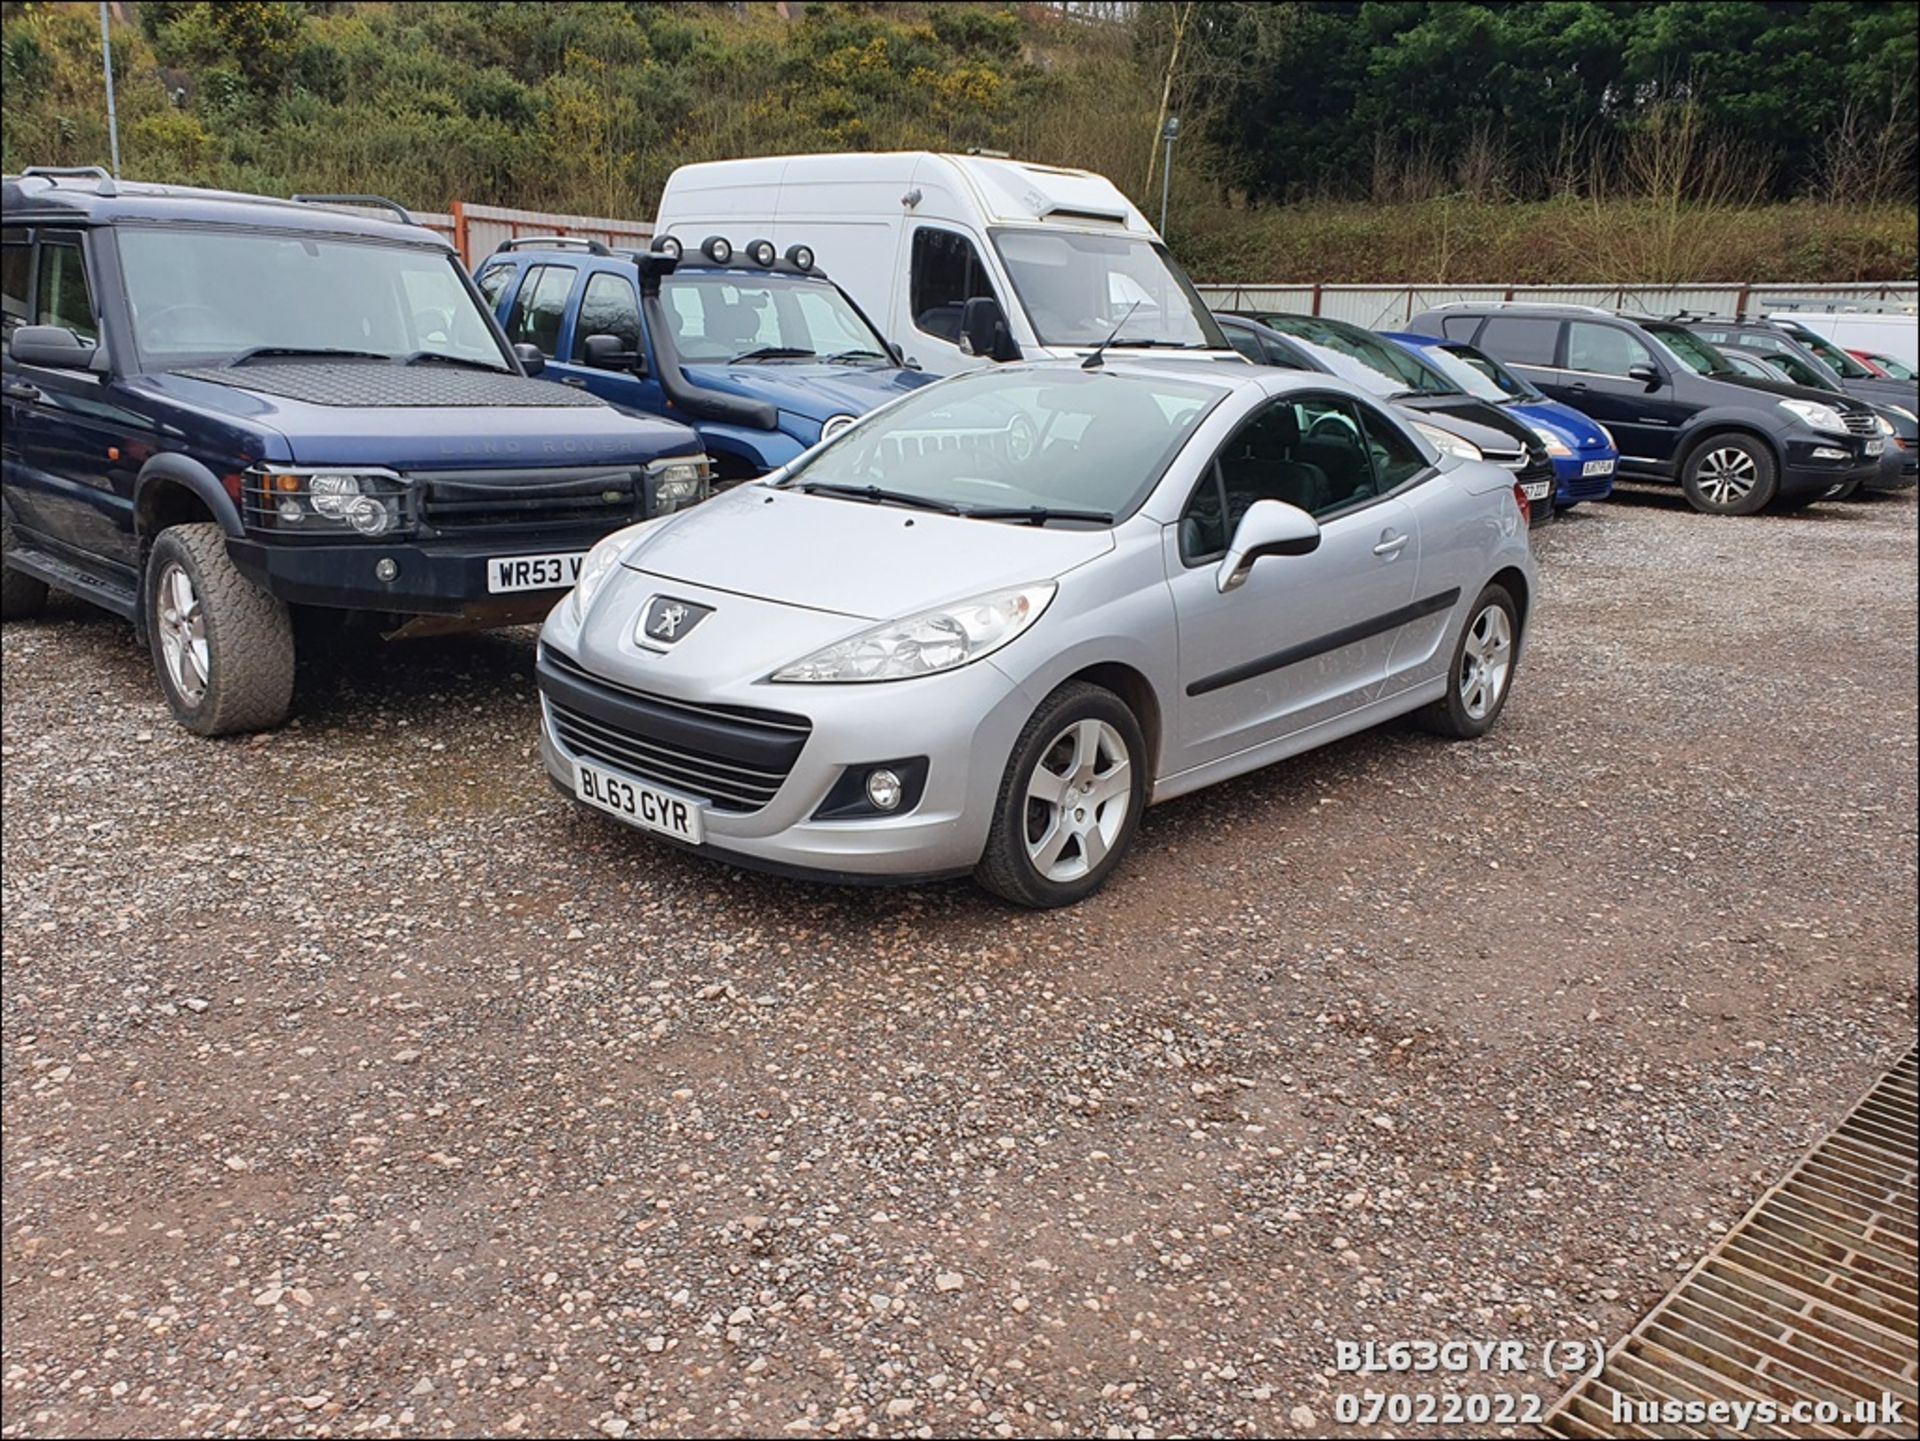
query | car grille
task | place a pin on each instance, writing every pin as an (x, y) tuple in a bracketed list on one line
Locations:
[(494, 501), (1860, 422), (735, 758)]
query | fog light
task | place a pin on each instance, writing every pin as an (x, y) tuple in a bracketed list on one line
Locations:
[(1827, 452), (290, 512), (386, 568), (884, 789)]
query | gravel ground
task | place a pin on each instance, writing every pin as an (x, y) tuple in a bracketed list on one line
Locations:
[(357, 1083)]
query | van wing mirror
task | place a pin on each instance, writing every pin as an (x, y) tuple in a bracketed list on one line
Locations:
[(983, 330), (1647, 375), (1270, 527), (530, 357), (53, 346)]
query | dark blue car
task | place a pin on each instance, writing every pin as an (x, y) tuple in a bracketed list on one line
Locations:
[(760, 353), (225, 409), (1583, 451)]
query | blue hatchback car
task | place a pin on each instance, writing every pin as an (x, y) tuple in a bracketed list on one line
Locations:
[(1583, 451), (762, 354)]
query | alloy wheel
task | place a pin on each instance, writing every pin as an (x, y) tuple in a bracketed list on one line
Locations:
[(1486, 661), (1078, 797), (1727, 475), (183, 634)]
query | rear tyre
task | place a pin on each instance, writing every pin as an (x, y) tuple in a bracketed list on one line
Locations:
[(21, 595), (222, 647), (1481, 675), (1730, 474), (1069, 802)]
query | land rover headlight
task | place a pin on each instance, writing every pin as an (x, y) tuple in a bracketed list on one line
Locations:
[(366, 502), (677, 482), (1448, 443), (927, 643), (1556, 447), (1816, 415)]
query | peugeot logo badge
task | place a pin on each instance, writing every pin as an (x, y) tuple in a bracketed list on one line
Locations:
[(665, 620)]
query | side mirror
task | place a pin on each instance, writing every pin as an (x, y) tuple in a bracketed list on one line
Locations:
[(1647, 375), (530, 358), (53, 346), (983, 330), (609, 352), (1270, 527)]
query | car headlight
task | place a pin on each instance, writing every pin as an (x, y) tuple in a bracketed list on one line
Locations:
[(835, 424), (366, 502), (1556, 447), (933, 641), (677, 482), (1885, 425), (1816, 415), (600, 563), (1447, 443)]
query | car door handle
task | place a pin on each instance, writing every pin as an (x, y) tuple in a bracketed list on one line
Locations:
[(1391, 544), (19, 392), (1576, 385)]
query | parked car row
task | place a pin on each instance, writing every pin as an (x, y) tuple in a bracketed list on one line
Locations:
[(930, 625)]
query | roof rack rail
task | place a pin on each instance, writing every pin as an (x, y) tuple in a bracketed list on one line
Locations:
[(1524, 305), (376, 202), (549, 242), (76, 172)]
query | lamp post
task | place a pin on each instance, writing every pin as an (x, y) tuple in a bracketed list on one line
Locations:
[(106, 63), (1170, 132)]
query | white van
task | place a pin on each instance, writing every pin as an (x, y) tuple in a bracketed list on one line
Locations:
[(1875, 333), (958, 259)]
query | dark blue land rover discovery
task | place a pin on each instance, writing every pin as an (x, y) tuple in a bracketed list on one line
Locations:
[(223, 408)]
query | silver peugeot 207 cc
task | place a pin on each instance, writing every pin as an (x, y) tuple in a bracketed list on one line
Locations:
[(985, 627)]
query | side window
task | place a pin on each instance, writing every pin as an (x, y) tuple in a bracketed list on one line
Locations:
[(1459, 327), (492, 281), (1306, 450), (1246, 342), (1396, 459), (1603, 349), (609, 307), (16, 266), (1519, 340), (947, 273), (538, 308), (63, 298), (1278, 354)]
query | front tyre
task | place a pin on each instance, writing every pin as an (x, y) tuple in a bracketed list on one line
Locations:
[(1069, 802), (1482, 673), (222, 647), (1730, 474)]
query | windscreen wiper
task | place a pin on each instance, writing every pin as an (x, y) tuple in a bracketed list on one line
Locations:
[(1035, 514), (875, 495), (772, 352), (420, 356), (1146, 343), (856, 355), (316, 352)]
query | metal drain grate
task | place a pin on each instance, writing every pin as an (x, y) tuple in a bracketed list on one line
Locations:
[(1810, 1299)]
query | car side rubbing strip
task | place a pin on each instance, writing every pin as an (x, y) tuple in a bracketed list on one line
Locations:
[(1320, 645)]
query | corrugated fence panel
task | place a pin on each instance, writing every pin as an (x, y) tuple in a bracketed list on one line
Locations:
[(1386, 306), (479, 229)]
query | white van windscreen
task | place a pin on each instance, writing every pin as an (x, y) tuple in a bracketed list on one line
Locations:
[(1077, 287)]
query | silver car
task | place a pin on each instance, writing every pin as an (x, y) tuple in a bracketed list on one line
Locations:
[(984, 628)]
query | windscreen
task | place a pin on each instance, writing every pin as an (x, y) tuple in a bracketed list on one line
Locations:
[(1510, 386), (1466, 375), (208, 295), (1412, 372), (1079, 440), (1077, 288), (1844, 365), (730, 318)]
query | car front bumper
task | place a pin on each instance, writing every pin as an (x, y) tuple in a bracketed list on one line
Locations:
[(1571, 486), (1818, 463), (964, 722), (1899, 469)]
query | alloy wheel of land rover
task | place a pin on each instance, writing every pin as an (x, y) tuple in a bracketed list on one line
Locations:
[(222, 647)]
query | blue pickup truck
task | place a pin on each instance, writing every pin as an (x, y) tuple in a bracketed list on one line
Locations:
[(761, 353), (223, 411)]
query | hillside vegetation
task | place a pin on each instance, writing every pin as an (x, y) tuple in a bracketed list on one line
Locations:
[(1572, 140)]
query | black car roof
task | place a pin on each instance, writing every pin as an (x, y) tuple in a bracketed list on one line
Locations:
[(100, 200)]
